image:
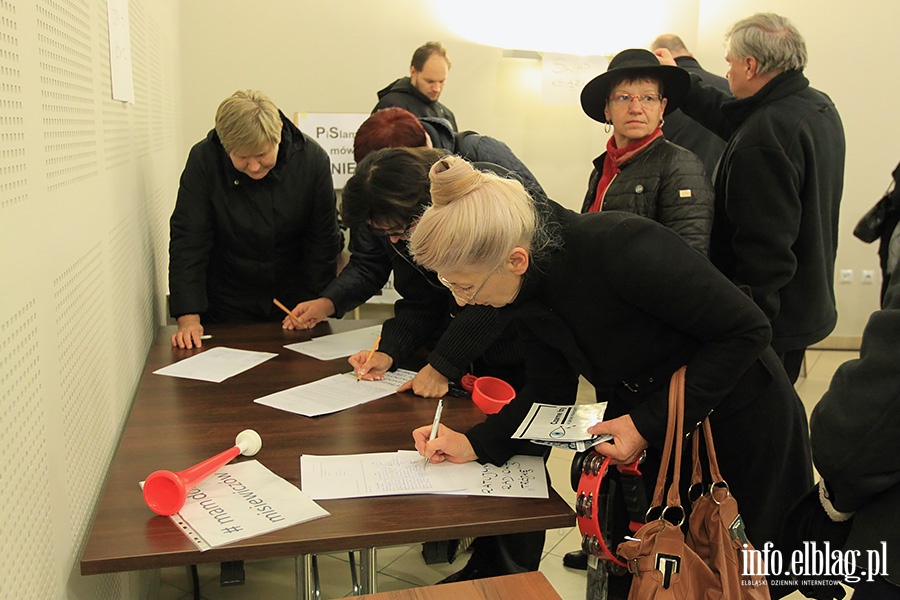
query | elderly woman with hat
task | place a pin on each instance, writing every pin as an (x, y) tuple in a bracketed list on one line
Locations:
[(641, 172)]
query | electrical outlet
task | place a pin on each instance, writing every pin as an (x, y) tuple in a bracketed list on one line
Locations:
[(868, 276), (846, 276)]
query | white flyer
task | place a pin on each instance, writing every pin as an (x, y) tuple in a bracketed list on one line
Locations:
[(239, 501), (562, 426), (404, 472), (335, 393), (338, 345)]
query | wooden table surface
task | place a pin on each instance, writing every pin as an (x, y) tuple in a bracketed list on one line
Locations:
[(175, 423)]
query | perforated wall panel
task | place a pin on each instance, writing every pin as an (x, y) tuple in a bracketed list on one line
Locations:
[(84, 360), (13, 171), (67, 91), (26, 519), (141, 112), (114, 117)]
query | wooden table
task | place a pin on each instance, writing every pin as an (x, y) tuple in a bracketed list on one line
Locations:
[(175, 423), (525, 586)]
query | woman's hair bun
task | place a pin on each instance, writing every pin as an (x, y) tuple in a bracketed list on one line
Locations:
[(452, 178)]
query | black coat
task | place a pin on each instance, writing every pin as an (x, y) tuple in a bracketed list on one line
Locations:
[(778, 192), (625, 302), (426, 315), (475, 147), (684, 131), (654, 184), (403, 94), (855, 430), (237, 243)]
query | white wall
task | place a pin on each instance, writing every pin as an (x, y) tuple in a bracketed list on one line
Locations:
[(333, 56), (85, 190)]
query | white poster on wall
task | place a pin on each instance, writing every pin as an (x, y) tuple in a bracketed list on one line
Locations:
[(564, 75), (120, 51), (335, 133)]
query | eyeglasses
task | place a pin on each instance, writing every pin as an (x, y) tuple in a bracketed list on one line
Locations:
[(646, 100), (458, 294), (401, 232)]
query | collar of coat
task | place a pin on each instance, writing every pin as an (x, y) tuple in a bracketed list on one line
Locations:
[(781, 86)]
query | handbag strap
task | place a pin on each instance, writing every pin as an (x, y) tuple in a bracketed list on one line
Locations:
[(674, 424), (712, 461), (677, 390), (660, 489)]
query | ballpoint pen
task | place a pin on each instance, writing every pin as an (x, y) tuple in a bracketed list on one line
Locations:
[(434, 426), (371, 354)]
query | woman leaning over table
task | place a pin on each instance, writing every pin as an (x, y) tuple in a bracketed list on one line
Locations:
[(624, 302)]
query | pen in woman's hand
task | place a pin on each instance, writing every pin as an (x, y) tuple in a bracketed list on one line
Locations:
[(434, 426)]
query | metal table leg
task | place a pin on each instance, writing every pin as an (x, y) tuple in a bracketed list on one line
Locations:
[(367, 570), (303, 572)]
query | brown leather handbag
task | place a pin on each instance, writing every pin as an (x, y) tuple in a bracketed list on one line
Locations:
[(707, 564)]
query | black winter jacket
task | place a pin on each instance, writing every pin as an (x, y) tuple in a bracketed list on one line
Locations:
[(624, 302), (778, 193), (426, 315), (665, 183), (403, 94), (682, 130), (237, 243), (475, 147), (855, 430)]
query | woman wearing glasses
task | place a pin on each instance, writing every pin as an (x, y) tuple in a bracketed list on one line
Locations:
[(624, 302), (641, 172)]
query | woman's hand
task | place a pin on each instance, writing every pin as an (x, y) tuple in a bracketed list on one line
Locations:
[(373, 369), (449, 445), (627, 445), (189, 332), (309, 313), (428, 383)]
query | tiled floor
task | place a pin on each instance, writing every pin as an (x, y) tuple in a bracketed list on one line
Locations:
[(403, 567)]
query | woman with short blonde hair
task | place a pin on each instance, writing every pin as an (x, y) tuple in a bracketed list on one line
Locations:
[(248, 121), (624, 302)]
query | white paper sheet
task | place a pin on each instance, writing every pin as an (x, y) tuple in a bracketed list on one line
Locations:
[(239, 501), (562, 426), (216, 364), (337, 345), (335, 393), (404, 472)]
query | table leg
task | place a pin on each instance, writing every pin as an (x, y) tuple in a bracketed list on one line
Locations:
[(303, 572), (367, 570)]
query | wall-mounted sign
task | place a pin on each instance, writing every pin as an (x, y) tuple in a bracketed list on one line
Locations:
[(564, 75), (335, 133)]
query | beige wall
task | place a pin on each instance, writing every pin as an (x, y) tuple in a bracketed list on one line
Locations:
[(332, 57), (87, 184), (85, 190)]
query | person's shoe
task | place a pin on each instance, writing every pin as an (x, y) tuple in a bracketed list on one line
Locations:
[(576, 559), (468, 572)]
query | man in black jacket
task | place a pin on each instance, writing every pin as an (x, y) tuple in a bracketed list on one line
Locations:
[(778, 185), (419, 92), (680, 128), (255, 219)]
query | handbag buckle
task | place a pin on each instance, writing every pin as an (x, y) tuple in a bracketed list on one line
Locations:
[(668, 565)]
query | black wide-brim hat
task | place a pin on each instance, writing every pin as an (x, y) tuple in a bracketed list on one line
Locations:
[(637, 63)]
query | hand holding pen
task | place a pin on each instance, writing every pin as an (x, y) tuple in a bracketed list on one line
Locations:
[(448, 445), (434, 427)]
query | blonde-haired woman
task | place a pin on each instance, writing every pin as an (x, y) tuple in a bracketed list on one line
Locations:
[(624, 302), (255, 219)]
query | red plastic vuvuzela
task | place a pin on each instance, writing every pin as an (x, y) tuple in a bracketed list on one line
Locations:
[(165, 492)]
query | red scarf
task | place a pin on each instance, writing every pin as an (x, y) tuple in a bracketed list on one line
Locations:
[(616, 157)]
